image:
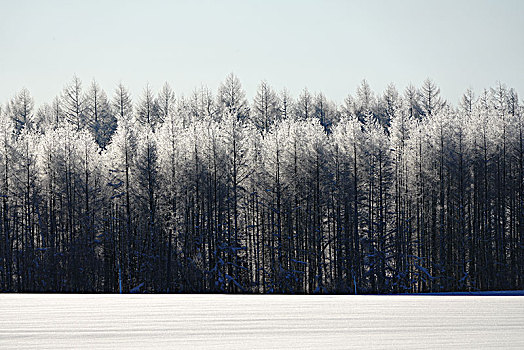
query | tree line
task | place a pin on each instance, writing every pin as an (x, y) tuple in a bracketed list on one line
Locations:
[(399, 192)]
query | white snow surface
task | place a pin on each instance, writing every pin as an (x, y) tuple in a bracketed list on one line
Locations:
[(58, 321)]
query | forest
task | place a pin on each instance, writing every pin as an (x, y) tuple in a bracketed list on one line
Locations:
[(392, 192)]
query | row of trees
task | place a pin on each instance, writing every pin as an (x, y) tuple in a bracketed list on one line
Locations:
[(391, 193)]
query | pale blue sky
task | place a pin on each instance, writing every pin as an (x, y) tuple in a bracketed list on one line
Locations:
[(328, 46)]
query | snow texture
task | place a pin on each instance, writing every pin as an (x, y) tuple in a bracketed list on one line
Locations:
[(270, 322)]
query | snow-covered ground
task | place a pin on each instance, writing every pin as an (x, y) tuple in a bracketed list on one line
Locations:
[(242, 321)]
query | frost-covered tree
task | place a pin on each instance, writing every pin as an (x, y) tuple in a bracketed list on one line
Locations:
[(147, 109), (364, 102), (232, 98), (146, 180), (120, 158), (391, 105), (170, 156), (73, 103), (202, 104), (166, 103), (238, 136), (349, 142), (412, 102), (304, 105), (467, 102), (20, 109), (325, 111), (430, 100), (99, 118), (399, 136), (286, 104), (265, 107)]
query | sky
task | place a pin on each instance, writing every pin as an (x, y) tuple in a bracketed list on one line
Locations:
[(327, 46)]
